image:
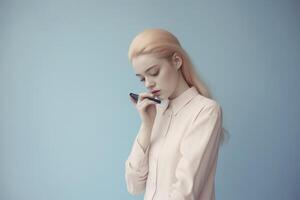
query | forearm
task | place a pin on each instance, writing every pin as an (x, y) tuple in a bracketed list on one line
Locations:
[(144, 136)]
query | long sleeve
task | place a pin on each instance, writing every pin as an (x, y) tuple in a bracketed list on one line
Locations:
[(199, 149), (136, 168)]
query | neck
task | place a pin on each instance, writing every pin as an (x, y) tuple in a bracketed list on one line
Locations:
[(181, 87)]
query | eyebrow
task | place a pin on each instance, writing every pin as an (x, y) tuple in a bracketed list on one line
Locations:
[(148, 69)]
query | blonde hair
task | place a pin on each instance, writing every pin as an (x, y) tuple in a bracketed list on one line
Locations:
[(163, 44)]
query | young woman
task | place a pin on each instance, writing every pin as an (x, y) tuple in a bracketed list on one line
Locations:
[(174, 155)]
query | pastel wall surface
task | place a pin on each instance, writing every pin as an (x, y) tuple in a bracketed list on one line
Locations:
[(66, 121)]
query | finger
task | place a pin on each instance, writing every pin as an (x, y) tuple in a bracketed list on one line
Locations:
[(146, 102), (145, 98), (146, 94), (143, 95)]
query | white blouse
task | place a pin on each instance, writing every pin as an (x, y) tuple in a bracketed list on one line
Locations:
[(180, 162)]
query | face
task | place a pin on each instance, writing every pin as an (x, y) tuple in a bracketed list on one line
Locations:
[(156, 74)]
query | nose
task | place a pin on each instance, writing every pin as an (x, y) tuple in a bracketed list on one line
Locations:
[(148, 84)]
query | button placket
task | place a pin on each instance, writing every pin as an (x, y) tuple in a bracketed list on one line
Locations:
[(153, 180), (170, 115), (156, 159)]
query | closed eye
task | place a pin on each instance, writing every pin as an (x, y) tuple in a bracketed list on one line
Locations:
[(150, 75)]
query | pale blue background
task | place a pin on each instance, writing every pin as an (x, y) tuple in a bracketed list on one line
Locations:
[(67, 124)]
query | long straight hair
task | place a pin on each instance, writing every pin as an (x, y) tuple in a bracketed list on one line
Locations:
[(163, 44)]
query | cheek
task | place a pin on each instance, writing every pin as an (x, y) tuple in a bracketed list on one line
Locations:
[(167, 77)]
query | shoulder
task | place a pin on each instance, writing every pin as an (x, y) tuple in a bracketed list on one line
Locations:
[(202, 104)]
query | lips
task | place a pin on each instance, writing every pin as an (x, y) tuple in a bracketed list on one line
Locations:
[(155, 91)]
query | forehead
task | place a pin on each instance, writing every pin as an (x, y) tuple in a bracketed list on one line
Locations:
[(143, 62)]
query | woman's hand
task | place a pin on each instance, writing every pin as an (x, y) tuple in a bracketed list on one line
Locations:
[(146, 108)]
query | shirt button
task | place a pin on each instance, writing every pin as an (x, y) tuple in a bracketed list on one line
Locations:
[(152, 181), (155, 161)]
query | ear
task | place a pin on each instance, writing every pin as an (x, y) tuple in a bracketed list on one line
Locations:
[(176, 60)]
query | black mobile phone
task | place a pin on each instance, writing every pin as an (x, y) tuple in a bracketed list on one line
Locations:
[(136, 96)]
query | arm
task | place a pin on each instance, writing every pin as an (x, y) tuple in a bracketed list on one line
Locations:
[(136, 166), (199, 148)]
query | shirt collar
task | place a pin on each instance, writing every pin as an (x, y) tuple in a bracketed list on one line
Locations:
[(178, 102)]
